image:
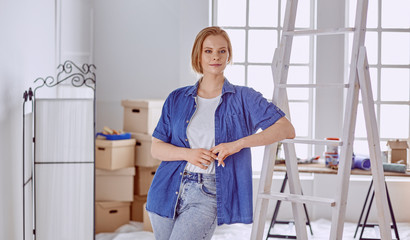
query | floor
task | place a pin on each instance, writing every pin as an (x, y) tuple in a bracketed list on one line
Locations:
[(320, 228)]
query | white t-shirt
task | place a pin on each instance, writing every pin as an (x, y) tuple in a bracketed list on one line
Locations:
[(201, 130)]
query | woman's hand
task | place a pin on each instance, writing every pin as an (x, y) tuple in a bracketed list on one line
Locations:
[(200, 157), (224, 150)]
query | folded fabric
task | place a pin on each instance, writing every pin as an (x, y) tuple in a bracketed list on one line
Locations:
[(394, 167), (361, 162)]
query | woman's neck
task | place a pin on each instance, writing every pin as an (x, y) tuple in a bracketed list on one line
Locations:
[(210, 86)]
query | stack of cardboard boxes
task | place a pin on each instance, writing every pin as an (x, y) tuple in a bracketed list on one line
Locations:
[(114, 179), (140, 119)]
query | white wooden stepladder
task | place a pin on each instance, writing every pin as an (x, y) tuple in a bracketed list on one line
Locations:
[(359, 80)]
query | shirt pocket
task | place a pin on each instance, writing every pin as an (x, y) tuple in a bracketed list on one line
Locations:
[(235, 126)]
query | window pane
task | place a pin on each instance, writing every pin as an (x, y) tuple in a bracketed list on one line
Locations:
[(238, 44), (260, 78), (361, 147), (299, 115), (231, 13), (262, 44), (395, 48), (235, 74), (372, 13), (373, 81), (303, 14), (395, 13), (352, 12), (395, 84), (371, 44), (298, 75), (371, 47), (302, 151), (263, 13), (298, 93), (394, 121), (300, 50), (257, 158), (360, 123)]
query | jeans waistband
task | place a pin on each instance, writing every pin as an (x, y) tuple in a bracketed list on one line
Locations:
[(199, 177)]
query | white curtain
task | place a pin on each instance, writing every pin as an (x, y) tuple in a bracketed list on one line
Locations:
[(64, 169)]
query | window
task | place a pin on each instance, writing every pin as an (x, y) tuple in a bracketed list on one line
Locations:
[(254, 27), (388, 50)]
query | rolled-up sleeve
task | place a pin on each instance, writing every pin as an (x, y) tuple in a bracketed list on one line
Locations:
[(163, 128), (262, 113)]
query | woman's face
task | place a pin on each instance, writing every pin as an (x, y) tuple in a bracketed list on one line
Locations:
[(214, 55)]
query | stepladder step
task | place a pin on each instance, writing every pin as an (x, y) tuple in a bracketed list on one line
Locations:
[(309, 32), (317, 85), (313, 141), (296, 198)]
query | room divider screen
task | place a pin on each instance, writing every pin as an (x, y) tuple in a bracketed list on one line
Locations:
[(59, 178)]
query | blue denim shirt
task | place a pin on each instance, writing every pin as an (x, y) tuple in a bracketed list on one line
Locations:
[(241, 112)]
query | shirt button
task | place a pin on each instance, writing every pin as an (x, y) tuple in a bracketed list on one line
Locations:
[(176, 193), (186, 140), (187, 121), (180, 173)]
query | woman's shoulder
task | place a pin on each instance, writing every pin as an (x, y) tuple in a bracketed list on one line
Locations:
[(244, 90), (182, 91)]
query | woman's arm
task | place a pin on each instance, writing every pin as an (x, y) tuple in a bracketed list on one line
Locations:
[(281, 129), (168, 152)]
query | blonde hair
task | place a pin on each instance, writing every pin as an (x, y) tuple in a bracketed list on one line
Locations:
[(199, 40)]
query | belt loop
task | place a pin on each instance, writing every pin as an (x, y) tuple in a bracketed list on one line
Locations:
[(199, 177)]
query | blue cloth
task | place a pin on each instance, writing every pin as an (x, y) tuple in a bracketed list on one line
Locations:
[(361, 162), (241, 112)]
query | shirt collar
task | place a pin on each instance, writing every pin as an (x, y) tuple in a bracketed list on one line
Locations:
[(227, 87)]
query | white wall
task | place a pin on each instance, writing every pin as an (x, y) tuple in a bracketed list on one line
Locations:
[(27, 52), (142, 50)]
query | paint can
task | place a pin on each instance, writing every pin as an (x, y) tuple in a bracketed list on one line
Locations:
[(331, 153)]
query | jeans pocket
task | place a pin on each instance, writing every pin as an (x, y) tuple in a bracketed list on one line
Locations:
[(208, 189)]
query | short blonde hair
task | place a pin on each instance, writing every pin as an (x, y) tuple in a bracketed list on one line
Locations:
[(199, 40)]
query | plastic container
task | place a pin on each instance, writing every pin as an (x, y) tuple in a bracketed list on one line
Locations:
[(115, 137), (332, 153)]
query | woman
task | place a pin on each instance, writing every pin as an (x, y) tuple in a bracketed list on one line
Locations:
[(203, 139)]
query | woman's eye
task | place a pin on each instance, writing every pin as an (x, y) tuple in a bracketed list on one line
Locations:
[(208, 51), (223, 51)]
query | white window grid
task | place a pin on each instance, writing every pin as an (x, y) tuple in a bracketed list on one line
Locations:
[(392, 124)]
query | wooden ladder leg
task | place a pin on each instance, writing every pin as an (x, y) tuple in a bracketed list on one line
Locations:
[(374, 146), (345, 161), (295, 188), (265, 184)]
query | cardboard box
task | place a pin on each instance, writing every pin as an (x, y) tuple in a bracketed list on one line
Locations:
[(141, 115), (111, 215), (398, 151), (147, 223), (143, 157), (114, 185), (114, 154), (142, 180), (137, 210)]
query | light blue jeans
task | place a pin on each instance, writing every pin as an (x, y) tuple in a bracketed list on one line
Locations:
[(195, 211)]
